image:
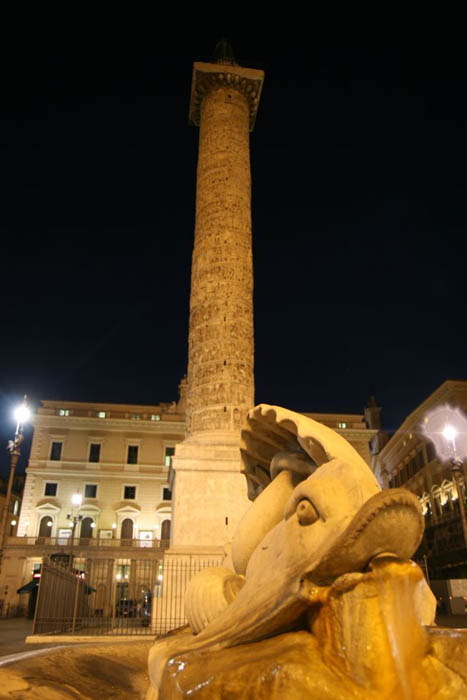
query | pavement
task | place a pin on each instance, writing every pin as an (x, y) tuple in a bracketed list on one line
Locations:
[(13, 632)]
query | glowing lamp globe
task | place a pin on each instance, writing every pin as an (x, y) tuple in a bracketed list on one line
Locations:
[(22, 414), (446, 427), (76, 499)]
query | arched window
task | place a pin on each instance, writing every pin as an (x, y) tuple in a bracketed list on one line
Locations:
[(165, 530), (127, 529), (86, 527), (45, 527)]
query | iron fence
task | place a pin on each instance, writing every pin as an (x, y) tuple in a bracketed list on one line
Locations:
[(168, 608), (114, 596)]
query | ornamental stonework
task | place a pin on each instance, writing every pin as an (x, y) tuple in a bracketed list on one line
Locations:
[(221, 344)]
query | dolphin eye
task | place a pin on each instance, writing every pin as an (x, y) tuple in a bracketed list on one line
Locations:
[(306, 512)]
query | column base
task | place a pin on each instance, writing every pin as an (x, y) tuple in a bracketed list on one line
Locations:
[(210, 492)]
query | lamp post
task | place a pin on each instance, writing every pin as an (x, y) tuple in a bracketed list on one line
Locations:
[(21, 414), (75, 517), (446, 427)]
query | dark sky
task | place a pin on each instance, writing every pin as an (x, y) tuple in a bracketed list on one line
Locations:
[(359, 206)]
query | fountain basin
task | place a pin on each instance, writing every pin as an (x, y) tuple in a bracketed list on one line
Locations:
[(116, 670)]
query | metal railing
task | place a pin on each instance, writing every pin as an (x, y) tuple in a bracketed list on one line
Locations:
[(79, 542), (113, 596)]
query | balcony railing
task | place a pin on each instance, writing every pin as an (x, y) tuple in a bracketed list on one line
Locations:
[(80, 542)]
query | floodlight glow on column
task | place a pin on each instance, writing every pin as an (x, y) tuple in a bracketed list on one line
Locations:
[(77, 499)]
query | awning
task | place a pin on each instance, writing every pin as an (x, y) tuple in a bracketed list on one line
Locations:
[(29, 587)]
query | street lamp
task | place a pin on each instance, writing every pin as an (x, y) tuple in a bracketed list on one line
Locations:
[(74, 518), (446, 427), (22, 414)]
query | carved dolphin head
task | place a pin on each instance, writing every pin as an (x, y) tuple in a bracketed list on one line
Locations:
[(281, 450), (318, 512)]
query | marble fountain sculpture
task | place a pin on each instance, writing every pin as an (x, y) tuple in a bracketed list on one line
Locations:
[(318, 597)]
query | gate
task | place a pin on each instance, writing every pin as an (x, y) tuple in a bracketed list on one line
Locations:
[(114, 596)]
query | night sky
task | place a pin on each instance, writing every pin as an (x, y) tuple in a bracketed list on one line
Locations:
[(359, 190)]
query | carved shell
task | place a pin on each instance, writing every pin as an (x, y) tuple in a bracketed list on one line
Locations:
[(208, 594)]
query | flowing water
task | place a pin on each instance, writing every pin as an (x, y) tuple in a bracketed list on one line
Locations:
[(396, 581)]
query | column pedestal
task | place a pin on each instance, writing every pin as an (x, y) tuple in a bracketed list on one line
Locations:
[(210, 495)]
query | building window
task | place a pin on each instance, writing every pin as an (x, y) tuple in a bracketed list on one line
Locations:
[(45, 526), (342, 425), (101, 414), (87, 527), (169, 453), (94, 452), (419, 459), (90, 491), (155, 416), (129, 493), (167, 494), (64, 412), (132, 457), (165, 530), (123, 572), (56, 451), (50, 488), (136, 416), (430, 451)]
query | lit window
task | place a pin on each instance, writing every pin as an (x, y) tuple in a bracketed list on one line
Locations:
[(94, 452), (50, 489), (90, 491), (169, 453), (64, 412), (167, 494), (132, 457), (123, 574), (56, 451), (101, 414), (155, 416), (342, 425), (129, 493), (136, 416)]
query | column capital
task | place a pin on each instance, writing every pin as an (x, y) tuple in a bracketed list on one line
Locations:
[(208, 76)]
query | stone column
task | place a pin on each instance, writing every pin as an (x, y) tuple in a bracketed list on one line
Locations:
[(210, 493), (220, 361)]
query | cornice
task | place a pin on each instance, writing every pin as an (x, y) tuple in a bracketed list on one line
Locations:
[(209, 76), (109, 424), (86, 474), (361, 433)]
